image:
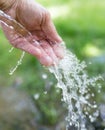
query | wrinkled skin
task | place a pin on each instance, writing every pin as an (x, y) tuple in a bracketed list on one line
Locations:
[(36, 20)]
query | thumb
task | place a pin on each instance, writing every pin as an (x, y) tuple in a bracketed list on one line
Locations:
[(50, 30)]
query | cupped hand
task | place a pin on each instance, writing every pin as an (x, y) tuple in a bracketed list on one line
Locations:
[(44, 42)]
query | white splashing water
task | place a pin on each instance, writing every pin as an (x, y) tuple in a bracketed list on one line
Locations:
[(74, 82), (20, 30), (11, 49), (76, 90), (19, 62), (9, 22)]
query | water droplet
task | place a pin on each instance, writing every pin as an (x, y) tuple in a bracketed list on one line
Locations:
[(36, 96), (18, 63), (44, 76), (75, 84), (90, 63), (11, 50), (93, 95), (45, 92), (99, 91)]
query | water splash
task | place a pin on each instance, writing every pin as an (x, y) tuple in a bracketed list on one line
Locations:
[(11, 50), (13, 24), (76, 90), (20, 30), (19, 62), (72, 79)]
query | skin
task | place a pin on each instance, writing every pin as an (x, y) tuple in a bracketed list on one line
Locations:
[(44, 42)]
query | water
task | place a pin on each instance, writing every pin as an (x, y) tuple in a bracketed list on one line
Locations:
[(72, 78), (19, 62), (20, 30), (76, 90)]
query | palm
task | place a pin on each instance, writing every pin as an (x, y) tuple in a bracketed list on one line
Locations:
[(43, 37)]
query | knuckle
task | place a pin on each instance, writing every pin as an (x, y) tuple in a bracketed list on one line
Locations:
[(14, 44), (46, 18), (48, 15)]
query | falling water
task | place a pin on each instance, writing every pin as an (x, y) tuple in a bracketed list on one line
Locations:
[(72, 79), (18, 29), (19, 62), (76, 90)]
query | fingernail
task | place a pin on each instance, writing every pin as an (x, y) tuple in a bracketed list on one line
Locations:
[(59, 50), (58, 39), (47, 61), (38, 51)]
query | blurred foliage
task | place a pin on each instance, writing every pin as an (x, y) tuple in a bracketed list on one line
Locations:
[(81, 24)]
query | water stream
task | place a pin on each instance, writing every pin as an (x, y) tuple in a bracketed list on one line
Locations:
[(72, 78), (76, 88)]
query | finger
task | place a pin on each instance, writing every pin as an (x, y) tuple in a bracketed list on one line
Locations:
[(18, 41), (58, 50), (36, 51), (50, 30), (44, 58), (23, 44), (50, 52)]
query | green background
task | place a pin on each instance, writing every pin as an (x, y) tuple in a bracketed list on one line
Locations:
[(81, 24)]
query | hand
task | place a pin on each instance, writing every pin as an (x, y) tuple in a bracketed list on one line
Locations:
[(37, 21)]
